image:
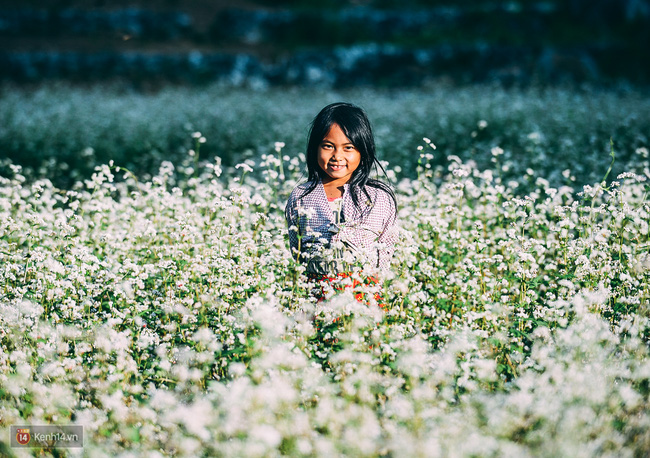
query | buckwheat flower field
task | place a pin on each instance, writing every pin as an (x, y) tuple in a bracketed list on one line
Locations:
[(165, 314)]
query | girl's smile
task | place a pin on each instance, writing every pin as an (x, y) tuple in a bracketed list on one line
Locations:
[(337, 157)]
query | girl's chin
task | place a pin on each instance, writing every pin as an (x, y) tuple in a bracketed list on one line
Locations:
[(329, 177)]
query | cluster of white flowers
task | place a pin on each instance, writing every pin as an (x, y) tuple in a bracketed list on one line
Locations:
[(167, 316)]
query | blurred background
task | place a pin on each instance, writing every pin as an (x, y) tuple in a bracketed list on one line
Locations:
[(84, 82), (326, 43)]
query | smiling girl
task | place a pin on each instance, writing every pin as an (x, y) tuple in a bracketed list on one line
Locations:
[(341, 216)]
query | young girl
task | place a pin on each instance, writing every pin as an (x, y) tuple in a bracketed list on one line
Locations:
[(341, 216)]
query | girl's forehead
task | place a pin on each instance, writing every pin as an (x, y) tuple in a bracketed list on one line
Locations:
[(336, 134)]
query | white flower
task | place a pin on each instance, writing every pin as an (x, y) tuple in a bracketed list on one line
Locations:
[(496, 151), (244, 166)]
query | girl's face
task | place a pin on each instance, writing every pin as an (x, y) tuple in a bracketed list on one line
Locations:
[(337, 157)]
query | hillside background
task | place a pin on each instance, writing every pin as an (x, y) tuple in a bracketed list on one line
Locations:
[(326, 43)]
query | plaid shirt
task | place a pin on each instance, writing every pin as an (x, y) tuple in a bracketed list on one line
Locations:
[(368, 233)]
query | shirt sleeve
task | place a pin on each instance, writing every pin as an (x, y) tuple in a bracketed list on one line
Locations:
[(291, 215), (388, 236)]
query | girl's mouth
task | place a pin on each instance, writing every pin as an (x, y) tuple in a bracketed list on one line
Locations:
[(336, 167)]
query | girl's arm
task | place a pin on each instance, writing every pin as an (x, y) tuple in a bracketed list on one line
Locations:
[(291, 215), (388, 237)]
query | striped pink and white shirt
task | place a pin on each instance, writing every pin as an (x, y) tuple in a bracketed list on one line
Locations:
[(368, 233)]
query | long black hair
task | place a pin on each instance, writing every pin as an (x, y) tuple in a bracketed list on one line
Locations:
[(354, 123)]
